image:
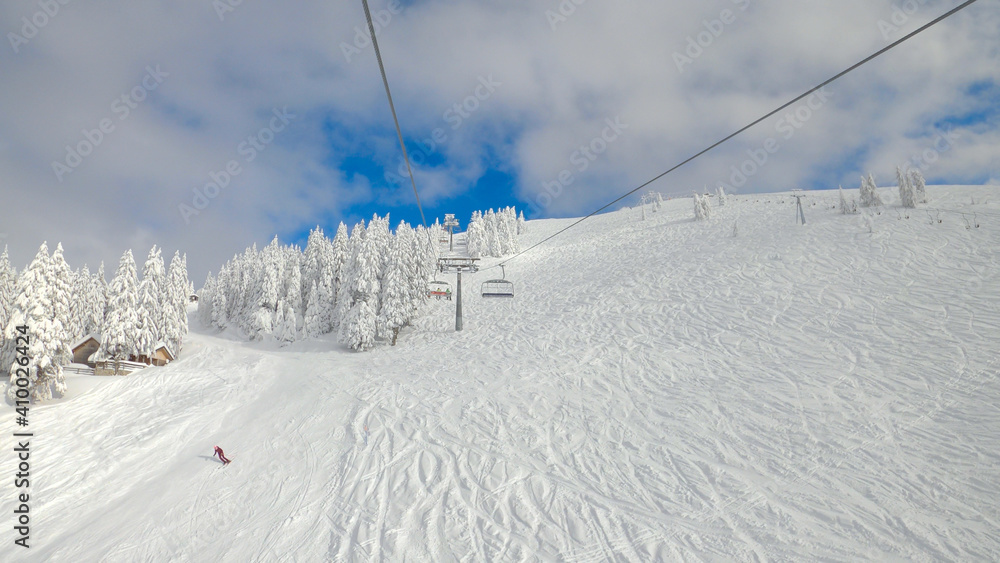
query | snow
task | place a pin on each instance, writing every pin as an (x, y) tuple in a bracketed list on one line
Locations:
[(658, 390)]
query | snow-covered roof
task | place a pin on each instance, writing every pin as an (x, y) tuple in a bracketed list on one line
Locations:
[(165, 347), (84, 340)]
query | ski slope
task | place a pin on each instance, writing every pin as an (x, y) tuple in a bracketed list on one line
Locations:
[(658, 390)]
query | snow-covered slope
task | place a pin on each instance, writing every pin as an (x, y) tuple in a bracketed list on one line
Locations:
[(658, 390)]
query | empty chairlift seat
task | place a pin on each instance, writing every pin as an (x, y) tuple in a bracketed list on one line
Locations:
[(497, 288)]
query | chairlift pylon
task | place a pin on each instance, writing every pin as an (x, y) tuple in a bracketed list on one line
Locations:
[(498, 287)]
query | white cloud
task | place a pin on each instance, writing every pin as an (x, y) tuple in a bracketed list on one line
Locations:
[(557, 88)]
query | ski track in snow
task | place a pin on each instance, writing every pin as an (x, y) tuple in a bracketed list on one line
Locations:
[(658, 390)]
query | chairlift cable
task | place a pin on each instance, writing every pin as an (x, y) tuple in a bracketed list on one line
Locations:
[(399, 132), (867, 59)]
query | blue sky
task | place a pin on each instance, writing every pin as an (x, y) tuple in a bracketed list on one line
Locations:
[(280, 110)]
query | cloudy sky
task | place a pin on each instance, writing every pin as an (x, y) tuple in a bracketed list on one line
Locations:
[(206, 127)]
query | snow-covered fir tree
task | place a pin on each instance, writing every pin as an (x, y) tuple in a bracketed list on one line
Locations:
[(907, 194), (493, 233), (312, 261), (291, 292), (395, 309), (285, 324), (151, 305), (121, 324), (847, 208), (522, 225), (358, 295), (98, 302), (35, 316), (702, 209), (314, 323), (476, 238), (340, 253), (8, 286), (80, 305), (262, 322), (919, 185), (60, 295), (869, 193), (358, 328), (721, 194), (175, 322), (348, 276), (205, 300)]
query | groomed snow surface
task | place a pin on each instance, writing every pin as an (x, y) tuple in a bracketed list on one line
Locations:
[(658, 390)]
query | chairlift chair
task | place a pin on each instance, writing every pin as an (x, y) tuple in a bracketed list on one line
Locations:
[(498, 288), (439, 289)]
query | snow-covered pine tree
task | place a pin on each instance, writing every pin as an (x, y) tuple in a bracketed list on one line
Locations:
[(522, 225), (8, 284), (312, 261), (869, 193), (176, 322), (702, 210), (292, 274), (80, 304), (847, 208), (205, 301), (919, 185), (33, 315), (722, 196), (379, 236), (415, 248), (340, 254), (505, 238), (358, 295), (395, 307), (99, 302), (219, 306), (907, 195), (475, 238), (284, 324), (513, 243), (121, 325), (492, 234), (314, 323), (60, 292), (263, 320), (358, 328), (151, 309)]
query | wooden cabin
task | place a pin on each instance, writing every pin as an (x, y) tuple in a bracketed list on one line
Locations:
[(84, 348), (162, 355)]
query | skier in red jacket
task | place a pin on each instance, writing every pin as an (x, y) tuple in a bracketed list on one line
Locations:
[(222, 457)]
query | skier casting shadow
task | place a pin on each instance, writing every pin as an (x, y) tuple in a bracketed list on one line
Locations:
[(222, 456)]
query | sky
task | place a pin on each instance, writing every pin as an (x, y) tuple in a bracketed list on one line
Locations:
[(210, 125)]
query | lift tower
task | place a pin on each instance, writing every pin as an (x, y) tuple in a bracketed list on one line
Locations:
[(458, 265)]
